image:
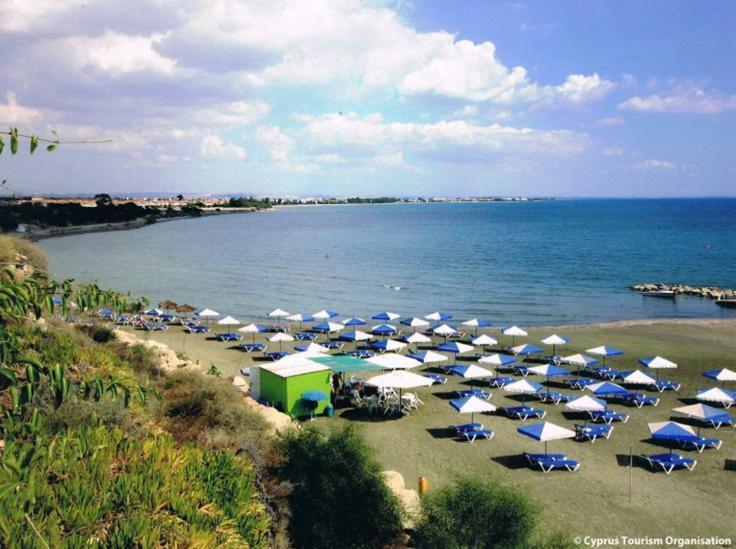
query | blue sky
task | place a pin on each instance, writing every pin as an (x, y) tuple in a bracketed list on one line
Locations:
[(343, 97)]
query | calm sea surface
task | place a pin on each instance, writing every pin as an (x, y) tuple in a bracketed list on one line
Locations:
[(564, 261)]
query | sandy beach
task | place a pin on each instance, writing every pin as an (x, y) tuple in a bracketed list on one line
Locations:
[(419, 445)]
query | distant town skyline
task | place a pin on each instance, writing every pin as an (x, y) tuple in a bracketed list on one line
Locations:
[(395, 98)]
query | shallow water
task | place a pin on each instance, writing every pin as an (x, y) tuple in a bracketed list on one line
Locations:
[(553, 262)]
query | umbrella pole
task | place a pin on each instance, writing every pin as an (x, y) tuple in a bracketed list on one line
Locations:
[(545, 448)]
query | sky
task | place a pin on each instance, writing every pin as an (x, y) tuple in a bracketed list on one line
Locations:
[(370, 98)]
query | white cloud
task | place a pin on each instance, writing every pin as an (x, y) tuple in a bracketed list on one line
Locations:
[(613, 151), (610, 121), (213, 146), (456, 140), (13, 113), (654, 164), (280, 147), (236, 113), (690, 100)]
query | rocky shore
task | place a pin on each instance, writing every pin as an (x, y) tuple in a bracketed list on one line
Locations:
[(710, 292)]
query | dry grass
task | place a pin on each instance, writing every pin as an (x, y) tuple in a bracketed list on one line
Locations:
[(12, 245)]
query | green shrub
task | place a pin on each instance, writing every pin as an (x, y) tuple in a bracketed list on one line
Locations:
[(208, 410), (339, 498), (99, 487), (102, 334), (141, 359), (475, 513)]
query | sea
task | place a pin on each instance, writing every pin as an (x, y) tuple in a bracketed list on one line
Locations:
[(551, 262)]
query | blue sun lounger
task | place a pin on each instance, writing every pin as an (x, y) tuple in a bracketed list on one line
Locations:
[(639, 399), (592, 432), (662, 385), (155, 327), (722, 419), (547, 462), (198, 329), (361, 353), (436, 379), (252, 347), (332, 344), (275, 328), (500, 381), (521, 370), (228, 336), (700, 443), (604, 372), (555, 398), (524, 412), (167, 318), (608, 416), (305, 336), (485, 395), (579, 382), (668, 462), (460, 429), (471, 435), (278, 355)]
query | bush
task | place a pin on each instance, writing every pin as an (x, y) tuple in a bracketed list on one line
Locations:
[(99, 487), (102, 334), (475, 513), (339, 498), (208, 410), (142, 359)]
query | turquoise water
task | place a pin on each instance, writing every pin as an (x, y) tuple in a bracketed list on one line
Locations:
[(564, 261)]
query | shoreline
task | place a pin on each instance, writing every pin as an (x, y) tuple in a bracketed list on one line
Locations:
[(72, 230)]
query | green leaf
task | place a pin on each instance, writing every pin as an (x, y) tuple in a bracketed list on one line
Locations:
[(13, 140), (51, 147), (2, 145), (34, 143)]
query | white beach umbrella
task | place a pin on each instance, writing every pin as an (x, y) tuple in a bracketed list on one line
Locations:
[(250, 329), (657, 362), (393, 361), (428, 357), (278, 313), (228, 321), (578, 360), (472, 405), (523, 387), (484, 339), (279, 338), (637, 377), (497, 360), (437, 316), (444, 330), (389, 345), (399, 379), (415, 322), (356, 335), (417, 338), (717, 395), (324, 314), (722, 374), (514, 332), (554, 340), (315, 348), (331, 327), (206, 313), (545, 432), (586, 403), (473, 372)]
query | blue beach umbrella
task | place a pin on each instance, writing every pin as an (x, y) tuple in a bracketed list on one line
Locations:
[(723, 375), (439, 316), (324, 314), (385, 316), (606, 389), (672, 431), (327, 327), (388, 345), (153, 312), (472, 405), (300, 318), (605, 351), (523, 387), (526, 349), (415, 322), (705, 414), (314, 396), (354, 321), (384, 330), (550, 371), (497, 360), (57, 300), (428, 357), (545, 432), (455, 348), (106, 314), (477, 323), (579, 360), (355, 335)]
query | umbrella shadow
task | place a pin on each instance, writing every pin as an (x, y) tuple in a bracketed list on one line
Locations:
[(357, 414), (635, 460), (688, 400), (572, 415), (513, 461), (445, 395), (666, 444), (729, 465)]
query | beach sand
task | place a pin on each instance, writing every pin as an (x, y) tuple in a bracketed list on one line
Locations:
[(594, 500)]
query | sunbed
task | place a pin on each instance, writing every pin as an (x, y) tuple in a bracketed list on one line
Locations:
[(547, 462), (485, 395), (524, 412), (723, 419), (604, 372), (521, 369), (608, 416), (228, 336), (362, 353), (471, 435), (639, 399), (555, 398), (668, 462), (155, 327), (305, 336), (436, 379), (460, 429), (500, 381), (166, 318), (252, 347), (700, 443), (278, 355), (592, 432), (198, 329), (579, 382), (332, 344), (666, 385)]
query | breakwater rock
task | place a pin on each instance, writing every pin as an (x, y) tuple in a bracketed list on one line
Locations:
[(710, 292)]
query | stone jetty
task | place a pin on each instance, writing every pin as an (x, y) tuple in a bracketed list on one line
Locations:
[(710, 292)]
